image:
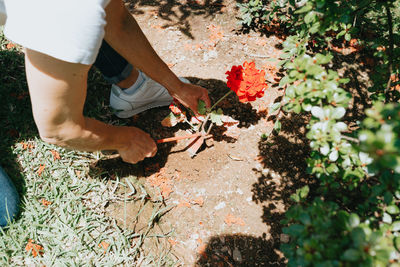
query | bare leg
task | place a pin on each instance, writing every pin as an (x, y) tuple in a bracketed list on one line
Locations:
[(130, 80)]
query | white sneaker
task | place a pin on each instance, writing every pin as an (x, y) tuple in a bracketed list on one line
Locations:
[(149, 95)]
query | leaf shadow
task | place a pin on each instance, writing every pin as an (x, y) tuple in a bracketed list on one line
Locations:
[(282, 157), (177, 13), (150, 122), (240, 250)]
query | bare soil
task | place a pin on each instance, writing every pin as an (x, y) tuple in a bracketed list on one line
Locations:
[(227, 201)]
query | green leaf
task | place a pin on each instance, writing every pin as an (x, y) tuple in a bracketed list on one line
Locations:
[(396, 242), (338, 112), (354, 220), (216, 117), (201, 107), (295, 197), (284, 81), (344, 80), (277, 126), (340, 34), (305, 218), (393, 209), (387, 197), (274, 107), (304, 191), (351, 255), (304, 9), (317, 112), (323, 59), (396, 226), (387, 218), (295, 229), (310, 17)]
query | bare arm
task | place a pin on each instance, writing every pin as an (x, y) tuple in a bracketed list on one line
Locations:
[(58, 91), (124, 34)]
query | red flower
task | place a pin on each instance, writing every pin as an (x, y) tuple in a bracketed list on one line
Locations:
[(175, 109), (247, 81)]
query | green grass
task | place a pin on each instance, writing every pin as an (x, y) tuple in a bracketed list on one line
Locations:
[(71, 228)]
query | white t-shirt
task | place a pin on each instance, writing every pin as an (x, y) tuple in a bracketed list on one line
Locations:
[(69, 30)]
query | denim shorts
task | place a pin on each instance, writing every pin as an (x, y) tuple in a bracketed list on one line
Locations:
[(112, 65), (9, 200)]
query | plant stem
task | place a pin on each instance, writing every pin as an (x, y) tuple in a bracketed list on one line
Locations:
[(176, 138), (216, 103), (351, 139), (391, 47)]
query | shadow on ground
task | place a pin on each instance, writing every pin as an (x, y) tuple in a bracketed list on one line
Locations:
[(240, 250), (150, 122), (282, 157), (16, 120), (177, 13)]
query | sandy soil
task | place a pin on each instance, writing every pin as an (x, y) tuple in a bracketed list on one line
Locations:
[(228, 200)]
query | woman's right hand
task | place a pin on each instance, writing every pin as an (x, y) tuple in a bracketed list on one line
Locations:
[(139, 145)]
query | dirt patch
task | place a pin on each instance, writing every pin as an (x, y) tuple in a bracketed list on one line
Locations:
[(226, 203)]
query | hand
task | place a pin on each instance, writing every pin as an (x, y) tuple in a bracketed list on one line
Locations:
[(138, 147), (189, 96)]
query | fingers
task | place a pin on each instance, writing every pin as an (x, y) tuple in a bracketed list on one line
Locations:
[(140, 146), (149, 147), (153, 151), (206, 98)]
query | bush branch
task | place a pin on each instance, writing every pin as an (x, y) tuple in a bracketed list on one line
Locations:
[(391, 45)]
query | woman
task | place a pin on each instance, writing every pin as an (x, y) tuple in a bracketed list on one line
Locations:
[(62, 40)]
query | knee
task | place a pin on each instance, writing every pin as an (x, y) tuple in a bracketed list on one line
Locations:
[(9, 200)]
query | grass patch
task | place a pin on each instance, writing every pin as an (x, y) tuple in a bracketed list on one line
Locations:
[(62, 203)]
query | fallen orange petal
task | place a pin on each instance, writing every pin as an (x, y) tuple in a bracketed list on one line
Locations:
[(166, 190), (10, 46), (202, 251), (45, 202), (173, 242), (184, 203), (24, 145), (104, 245), (40, 170), (35, 249), (56, 155), (230, 219)]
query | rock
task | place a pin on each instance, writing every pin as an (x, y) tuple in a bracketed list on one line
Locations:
[(284, 238), (237, 256), (220, 206), (210, 55)]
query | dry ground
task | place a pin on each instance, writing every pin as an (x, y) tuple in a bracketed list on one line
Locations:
[(227, 202)]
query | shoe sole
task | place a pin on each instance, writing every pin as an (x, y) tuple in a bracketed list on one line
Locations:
[(129, 113)]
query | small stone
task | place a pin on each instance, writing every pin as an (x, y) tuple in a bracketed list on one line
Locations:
[(220, 206), (195, 236), (284, 238), (237, 256), (249, 199), (239, 191), (258, 167), (265, 171)]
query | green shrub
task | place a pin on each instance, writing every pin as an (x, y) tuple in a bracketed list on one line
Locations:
[(353, 218)]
